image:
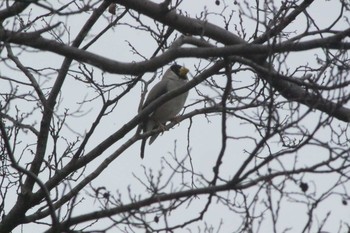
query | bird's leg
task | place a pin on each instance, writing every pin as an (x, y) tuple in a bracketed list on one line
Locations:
[(176, 119), (160, 126)]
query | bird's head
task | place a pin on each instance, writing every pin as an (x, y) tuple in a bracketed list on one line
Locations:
[(180, 71)]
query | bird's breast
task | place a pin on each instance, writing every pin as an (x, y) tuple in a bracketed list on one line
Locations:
[(170, 109)]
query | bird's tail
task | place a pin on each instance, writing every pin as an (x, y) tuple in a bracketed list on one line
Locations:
[(152, 138), (142, 149)]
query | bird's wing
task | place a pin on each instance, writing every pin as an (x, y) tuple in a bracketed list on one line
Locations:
[(158, 90)]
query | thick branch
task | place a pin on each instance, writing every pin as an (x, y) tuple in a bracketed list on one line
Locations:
[(135, 68), (16, 8), (231, 185), (294, 92)]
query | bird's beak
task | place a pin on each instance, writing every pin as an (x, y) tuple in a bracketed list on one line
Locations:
[(183, 71)]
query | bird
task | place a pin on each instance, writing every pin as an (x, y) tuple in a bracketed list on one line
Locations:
[(173, 78)]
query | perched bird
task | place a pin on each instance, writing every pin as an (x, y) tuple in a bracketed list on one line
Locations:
[(173, 78)]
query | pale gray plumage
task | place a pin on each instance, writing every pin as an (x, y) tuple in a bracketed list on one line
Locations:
[(173, 78)]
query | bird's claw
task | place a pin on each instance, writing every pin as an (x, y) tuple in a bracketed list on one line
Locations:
[(176, 119)]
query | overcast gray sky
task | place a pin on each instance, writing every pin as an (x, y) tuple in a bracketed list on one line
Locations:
[(204, 134)]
